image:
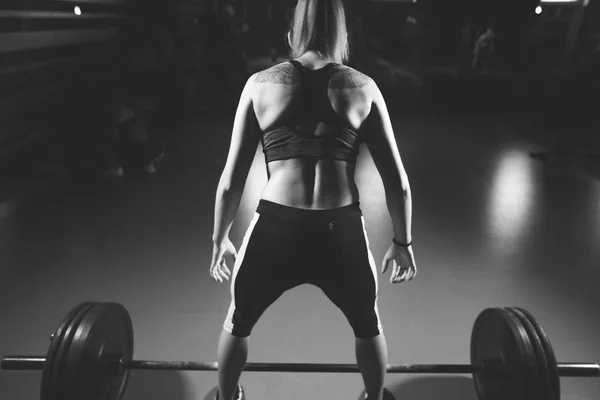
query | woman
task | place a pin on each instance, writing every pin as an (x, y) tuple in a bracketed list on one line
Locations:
[(311, 115)]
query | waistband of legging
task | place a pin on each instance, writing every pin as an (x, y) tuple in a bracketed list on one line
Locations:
[(268, 208)]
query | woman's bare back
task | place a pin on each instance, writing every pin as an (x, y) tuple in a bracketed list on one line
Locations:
[(311, 183)]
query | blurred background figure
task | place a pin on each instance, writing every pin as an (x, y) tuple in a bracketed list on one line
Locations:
[(239, 25), (484, 50), (146, 50)]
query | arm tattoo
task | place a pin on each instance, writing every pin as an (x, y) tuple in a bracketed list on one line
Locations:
[(280, 75), (348, 78)]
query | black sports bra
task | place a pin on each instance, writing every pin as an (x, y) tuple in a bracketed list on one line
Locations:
[(330, 140)]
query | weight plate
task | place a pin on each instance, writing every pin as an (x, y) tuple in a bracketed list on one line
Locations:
[(540, 387), (498, 339), (55, 343), (55, 354), (554, 378), (104, 335), (530, 361)]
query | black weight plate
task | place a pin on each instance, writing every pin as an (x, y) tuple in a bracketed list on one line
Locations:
[(540, 388), (106, 331), (56, 340), (498, 335), (554, 383), (52, 389), (55, 353), (530, 360)]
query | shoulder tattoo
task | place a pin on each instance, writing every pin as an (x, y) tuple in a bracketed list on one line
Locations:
[(282, 74), (348, 78)]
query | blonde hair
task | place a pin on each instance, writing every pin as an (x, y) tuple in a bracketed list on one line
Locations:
[(320, 25)]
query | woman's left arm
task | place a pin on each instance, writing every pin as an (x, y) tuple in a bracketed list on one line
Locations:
[(244, 141)]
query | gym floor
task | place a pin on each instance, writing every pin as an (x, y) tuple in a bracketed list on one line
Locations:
[(492, 228)]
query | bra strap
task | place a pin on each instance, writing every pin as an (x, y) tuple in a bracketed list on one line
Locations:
[(297, 65)]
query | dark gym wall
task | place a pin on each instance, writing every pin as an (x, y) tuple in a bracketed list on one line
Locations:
[(46, 50)]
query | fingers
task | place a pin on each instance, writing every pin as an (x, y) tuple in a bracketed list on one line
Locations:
[(226, 269), (219, 275), (399, 277), (414, 273), (403, 275), (214, 275), (220, 272)]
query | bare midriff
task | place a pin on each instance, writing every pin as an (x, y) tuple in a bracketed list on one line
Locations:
[(311, 183)]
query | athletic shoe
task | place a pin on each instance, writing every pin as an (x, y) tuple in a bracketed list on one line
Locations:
[(238, 395)]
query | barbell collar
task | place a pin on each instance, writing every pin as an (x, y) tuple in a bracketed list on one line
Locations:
[(22, 363), (579, 370)]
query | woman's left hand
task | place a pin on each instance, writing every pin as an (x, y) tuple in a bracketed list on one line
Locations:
[(218, 267)]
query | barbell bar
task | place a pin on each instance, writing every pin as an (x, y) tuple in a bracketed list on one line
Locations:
[(29, 363), (91, 355)]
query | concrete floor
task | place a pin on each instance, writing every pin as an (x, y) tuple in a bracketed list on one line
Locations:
[(491, 228)]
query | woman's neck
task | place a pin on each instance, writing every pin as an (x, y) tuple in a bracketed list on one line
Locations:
[(313, 58)]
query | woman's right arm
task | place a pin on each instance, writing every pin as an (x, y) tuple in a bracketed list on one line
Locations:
[(381, 142)]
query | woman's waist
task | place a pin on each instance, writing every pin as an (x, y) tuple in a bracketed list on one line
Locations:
[(285, 220), (310, 197)]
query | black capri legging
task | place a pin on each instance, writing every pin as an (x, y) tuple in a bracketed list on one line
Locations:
[(285, 247)]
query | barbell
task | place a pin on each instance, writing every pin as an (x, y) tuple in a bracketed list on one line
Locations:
[(91, 354)]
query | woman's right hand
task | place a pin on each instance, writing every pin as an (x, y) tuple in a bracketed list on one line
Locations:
[(403, 262)]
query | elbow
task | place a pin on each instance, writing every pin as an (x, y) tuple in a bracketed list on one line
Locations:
[(227, 197), (404, 183), (405, 187), (398, 186), (227, 187), (398, 192)]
